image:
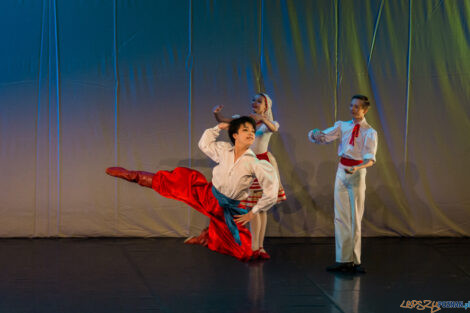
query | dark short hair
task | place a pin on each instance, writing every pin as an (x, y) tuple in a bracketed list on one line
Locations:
[(365, 100), (235, 125)]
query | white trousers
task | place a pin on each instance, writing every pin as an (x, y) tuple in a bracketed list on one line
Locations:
[(350, 192)]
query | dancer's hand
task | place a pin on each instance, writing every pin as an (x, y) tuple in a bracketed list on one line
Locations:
[(318, 135), (351, 170), (244, 218), (217, 108), (257, 117), (223, 125)]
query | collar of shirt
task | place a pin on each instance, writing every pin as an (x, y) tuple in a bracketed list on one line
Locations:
[(363, 123), (248, 152)]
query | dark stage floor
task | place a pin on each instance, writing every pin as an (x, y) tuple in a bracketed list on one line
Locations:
[(164, 275)]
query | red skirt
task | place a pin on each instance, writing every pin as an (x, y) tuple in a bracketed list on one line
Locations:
[(192, 188)]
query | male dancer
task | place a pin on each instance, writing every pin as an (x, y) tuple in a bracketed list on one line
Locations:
[(220, 199), (357, 149)]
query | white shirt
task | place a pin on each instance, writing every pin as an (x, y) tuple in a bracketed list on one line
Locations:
[(263, 134), (365, 145), (233, 179)]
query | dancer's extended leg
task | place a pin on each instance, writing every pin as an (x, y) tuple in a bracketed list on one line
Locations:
[(142, 178), (191, 187)]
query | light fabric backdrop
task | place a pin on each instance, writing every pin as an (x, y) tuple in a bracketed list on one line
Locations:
[(89, 84)]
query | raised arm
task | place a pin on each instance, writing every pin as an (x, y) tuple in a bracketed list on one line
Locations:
[(218, 116), (209, 144), (272, 126)]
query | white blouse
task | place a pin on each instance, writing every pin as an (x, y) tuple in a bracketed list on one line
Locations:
[(365, 145), (233, 179)]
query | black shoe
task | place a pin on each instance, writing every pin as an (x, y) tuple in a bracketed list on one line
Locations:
[(359, 269), (341, 267)]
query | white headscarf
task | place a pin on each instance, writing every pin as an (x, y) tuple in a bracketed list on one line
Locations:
[(269, 105)]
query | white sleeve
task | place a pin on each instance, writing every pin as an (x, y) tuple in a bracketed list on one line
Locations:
[(267, 178), (328, 135), (210, 146), (370, 146), (276, 124)]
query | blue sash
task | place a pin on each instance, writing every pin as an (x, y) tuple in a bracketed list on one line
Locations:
[(231, 208)]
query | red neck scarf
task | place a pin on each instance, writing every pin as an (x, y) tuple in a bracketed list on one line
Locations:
[(354, 134)]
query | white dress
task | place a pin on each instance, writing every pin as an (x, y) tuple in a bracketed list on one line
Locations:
[(260, 148)]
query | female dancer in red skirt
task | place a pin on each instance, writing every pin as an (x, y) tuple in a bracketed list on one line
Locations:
[(220, 199), (265, 127)]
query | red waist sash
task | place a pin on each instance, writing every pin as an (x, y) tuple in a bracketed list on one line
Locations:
[(350, 162)]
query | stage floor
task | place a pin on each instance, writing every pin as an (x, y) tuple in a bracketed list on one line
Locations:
[(164, 275)]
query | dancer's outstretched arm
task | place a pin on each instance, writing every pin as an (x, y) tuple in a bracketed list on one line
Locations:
[(326, 136), (218, 116)]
